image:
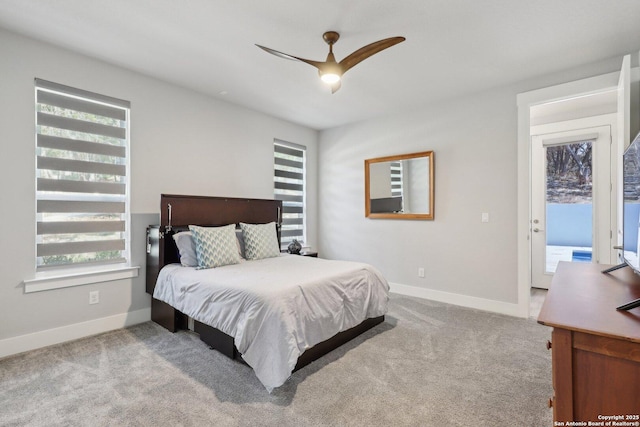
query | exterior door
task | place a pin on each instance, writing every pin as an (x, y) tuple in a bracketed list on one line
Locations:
[(570, 204)]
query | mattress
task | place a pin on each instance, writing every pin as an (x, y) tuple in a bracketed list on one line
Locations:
[(276, 308)]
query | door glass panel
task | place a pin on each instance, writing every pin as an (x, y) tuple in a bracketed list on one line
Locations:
[(569, 204)]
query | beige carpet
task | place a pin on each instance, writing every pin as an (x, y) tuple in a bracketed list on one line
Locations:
[(429, 364)]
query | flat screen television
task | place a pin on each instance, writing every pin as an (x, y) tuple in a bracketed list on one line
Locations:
[(631, 213)]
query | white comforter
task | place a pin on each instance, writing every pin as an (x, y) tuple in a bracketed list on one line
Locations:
[(276, 308)]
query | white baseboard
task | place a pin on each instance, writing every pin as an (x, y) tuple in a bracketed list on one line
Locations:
[(462, 300), (22, 343)]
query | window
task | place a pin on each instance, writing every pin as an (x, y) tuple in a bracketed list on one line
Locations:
[(82, 170), (289, 186)]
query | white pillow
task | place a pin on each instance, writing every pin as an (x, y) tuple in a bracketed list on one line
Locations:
[(260, 240), (215, 246), (186, 248)]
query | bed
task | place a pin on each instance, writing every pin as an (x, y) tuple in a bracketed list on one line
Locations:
[(277, 313)]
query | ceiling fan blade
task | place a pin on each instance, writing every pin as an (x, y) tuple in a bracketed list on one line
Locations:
[(364, 52), (316, 64)]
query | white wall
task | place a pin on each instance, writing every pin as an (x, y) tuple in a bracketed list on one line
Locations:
[(475, 143), (459, 254), (182, 142)]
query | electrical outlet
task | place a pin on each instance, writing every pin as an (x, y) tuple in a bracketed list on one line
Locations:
[(94, 297), (420, 272), (485, 217)]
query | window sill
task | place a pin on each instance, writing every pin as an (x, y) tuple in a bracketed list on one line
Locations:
[(68, 279)]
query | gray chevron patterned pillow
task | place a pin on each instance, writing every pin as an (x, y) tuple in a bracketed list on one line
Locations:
[(215, 246), (260, 240)]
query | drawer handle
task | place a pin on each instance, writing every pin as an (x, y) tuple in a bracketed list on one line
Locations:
[(549, 345), (550, 403)]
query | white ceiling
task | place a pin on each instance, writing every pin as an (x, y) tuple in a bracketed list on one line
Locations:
[(453, 47)]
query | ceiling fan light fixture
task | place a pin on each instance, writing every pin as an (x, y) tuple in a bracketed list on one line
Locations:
[(330, 70), (330, 78)]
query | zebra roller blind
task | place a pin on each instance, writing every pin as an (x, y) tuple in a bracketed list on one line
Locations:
[(396, 179), (289, 186), (82, 177)]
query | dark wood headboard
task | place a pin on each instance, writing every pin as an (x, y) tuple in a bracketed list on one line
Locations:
[(186, 210), (177, 212)]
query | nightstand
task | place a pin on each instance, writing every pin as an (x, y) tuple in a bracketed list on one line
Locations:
[(308, 253), (304, 252)]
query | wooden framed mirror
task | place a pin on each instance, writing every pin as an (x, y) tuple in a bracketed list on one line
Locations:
[(400, 187)]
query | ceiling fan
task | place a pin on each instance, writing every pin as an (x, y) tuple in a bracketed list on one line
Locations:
[(331, 71)]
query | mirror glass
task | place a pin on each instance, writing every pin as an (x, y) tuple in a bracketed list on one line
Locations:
[(400, 186)]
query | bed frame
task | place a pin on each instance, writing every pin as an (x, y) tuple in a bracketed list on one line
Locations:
[(176, 213)]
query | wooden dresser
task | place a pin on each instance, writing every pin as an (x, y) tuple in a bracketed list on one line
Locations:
[(595, 348)]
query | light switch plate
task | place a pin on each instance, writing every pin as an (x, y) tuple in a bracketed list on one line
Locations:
[(94, 297)]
